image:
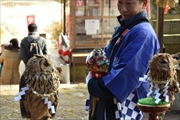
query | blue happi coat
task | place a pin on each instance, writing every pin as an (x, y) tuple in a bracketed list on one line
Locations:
[(128, 64)]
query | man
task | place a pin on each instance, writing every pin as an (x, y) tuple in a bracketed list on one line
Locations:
[(26, 43), (129, 51)]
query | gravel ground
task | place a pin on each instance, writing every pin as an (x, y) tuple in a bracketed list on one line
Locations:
[(71, 104)]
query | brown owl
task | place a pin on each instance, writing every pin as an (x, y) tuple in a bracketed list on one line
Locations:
[(40, 82), (163, 73)]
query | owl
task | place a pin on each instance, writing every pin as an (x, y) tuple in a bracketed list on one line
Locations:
[(40, 83), (97, 63), (163, 75)]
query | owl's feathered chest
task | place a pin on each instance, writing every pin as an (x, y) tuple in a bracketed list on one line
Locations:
[(42, 83)]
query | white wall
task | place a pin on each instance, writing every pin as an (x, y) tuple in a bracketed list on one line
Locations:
[(13, 17)]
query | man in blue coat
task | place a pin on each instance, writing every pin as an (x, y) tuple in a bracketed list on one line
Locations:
[(129, 51)]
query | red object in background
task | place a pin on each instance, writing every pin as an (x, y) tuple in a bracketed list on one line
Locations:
[(147, 9), (166, 9), (30, 19), (80, 3), (97, 1), (64, 48)]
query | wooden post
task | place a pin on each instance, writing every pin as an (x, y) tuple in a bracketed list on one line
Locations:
[(64, 15), (72, 23), (160, 27)]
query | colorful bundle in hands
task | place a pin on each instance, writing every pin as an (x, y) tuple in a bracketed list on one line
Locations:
[(97, 63)]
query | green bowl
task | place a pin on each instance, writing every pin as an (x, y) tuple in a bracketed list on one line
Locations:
[(150, 101)]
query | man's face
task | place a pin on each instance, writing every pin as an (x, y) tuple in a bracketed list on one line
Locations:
[(129, 8)]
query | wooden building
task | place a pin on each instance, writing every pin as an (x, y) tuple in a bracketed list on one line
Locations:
[(86, 34), (91, 24)]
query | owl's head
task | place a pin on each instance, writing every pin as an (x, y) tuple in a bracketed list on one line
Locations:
[(39, 64), (41, 76), (162, 66), (97, 53)]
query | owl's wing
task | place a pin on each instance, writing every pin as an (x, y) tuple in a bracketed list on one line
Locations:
[(24, 112)]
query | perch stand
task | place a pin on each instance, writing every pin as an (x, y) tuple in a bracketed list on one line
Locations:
[(153, 110)]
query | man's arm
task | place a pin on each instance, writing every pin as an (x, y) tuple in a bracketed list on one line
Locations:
[(45, 47), (97, 88), (23, 52)]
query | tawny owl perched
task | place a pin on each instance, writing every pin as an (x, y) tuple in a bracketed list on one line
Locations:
[(39, 82), (163, 76)]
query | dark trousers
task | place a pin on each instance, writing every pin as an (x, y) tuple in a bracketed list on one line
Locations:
[(99, 108)]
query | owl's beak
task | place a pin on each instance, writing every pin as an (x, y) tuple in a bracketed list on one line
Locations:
[(96, 54), (165, 61), (54, 69)]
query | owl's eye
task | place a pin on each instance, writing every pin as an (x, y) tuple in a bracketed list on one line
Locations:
[(46, 64)]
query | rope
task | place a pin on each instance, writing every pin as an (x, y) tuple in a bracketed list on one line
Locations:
[(156, 81)]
